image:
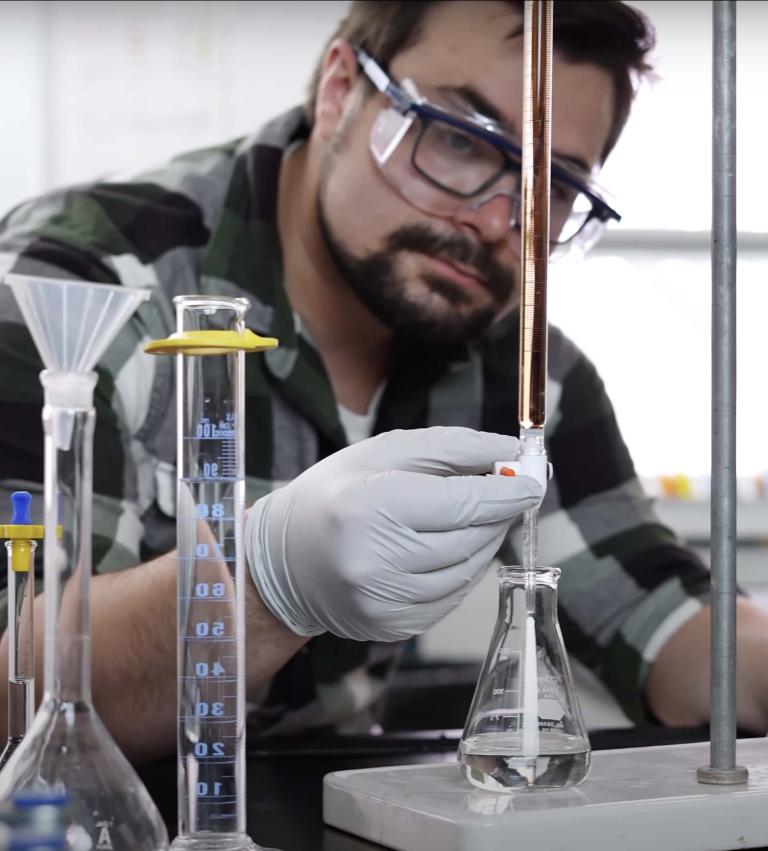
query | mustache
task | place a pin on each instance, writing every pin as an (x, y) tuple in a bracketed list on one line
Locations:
[(492, 275)]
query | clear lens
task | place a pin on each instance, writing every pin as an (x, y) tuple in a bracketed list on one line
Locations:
[(590, 234), (392, 142), (457, 160), (442, 170), (569, 212), (386, 135), (579, 246)]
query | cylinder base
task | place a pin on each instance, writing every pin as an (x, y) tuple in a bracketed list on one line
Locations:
[(208, 841)]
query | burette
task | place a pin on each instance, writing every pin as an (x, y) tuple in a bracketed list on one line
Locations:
[(210, 343), (534, 226), (536, 145)]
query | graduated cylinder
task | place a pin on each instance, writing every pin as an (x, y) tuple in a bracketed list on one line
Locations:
[(210, 345)]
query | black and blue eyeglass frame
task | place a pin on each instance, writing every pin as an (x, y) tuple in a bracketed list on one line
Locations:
[(465, 156)]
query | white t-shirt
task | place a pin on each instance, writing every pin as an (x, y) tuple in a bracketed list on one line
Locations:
[(359, 426)]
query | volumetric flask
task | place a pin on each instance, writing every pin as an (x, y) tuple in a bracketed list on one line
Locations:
[(210, 344), (524, 730), (68, 749)]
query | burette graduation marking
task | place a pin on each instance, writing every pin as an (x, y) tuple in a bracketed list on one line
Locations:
[(213, 480), (209, 722), (206, 599)]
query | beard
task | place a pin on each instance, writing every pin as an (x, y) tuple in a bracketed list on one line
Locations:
[(375, 281)]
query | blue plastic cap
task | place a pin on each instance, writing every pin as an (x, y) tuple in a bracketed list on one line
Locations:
[(50, 842), (21, 501), (39, 798)]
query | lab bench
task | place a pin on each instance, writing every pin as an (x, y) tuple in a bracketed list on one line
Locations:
[(285, 777)]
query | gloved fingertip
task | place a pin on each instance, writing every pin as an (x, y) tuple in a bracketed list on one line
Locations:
[(533, 486), (519, 488)]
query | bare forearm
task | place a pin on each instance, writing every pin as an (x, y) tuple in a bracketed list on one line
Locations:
[(678, 684), (134, 654)]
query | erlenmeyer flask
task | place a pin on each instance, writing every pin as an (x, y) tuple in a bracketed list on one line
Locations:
[(524, 729)]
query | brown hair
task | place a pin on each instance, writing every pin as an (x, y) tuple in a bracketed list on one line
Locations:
[(606, 33)]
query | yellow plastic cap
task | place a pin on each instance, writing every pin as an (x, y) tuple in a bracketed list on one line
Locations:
[(22, 532), (20, 555), (210, 343)]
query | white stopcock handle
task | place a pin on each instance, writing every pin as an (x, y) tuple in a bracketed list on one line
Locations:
[(532, 462)]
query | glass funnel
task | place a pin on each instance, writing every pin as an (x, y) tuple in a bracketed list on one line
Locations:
[(524, 730), (210, 345), (68, 749)]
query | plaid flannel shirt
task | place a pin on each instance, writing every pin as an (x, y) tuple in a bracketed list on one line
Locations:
[(206, 223)]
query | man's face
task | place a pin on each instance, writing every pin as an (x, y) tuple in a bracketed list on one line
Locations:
[(445, 279)]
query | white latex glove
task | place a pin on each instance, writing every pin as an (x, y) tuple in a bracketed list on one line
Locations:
[(382, 539)]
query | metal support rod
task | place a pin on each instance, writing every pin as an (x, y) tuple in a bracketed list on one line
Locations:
[(723, 768)]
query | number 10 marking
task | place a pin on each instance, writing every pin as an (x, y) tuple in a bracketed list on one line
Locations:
[(202, 789)]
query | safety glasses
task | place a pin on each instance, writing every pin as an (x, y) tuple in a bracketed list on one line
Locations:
[(444, 160)]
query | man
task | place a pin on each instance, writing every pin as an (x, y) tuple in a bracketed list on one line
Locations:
[(381, 247)]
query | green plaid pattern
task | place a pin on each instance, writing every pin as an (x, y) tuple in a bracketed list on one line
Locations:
[(206, 223)]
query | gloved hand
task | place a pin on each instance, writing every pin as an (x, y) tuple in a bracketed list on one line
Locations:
[(382, 539)]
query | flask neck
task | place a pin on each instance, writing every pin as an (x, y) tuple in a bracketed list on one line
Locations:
[(524, 592), (67, 551)]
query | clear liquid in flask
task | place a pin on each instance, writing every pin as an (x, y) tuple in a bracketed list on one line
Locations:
[(495, 761)]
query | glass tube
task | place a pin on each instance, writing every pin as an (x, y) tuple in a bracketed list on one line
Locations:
[(536, 143), (69, 457), (536, 161), (21, 660), (211, 572)]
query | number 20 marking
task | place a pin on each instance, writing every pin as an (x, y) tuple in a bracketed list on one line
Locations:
[(203, 749)]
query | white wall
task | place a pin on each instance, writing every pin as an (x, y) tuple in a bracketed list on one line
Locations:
[(641, 308), (644, 318), (661, 169), (22, 101), (95, 87)]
